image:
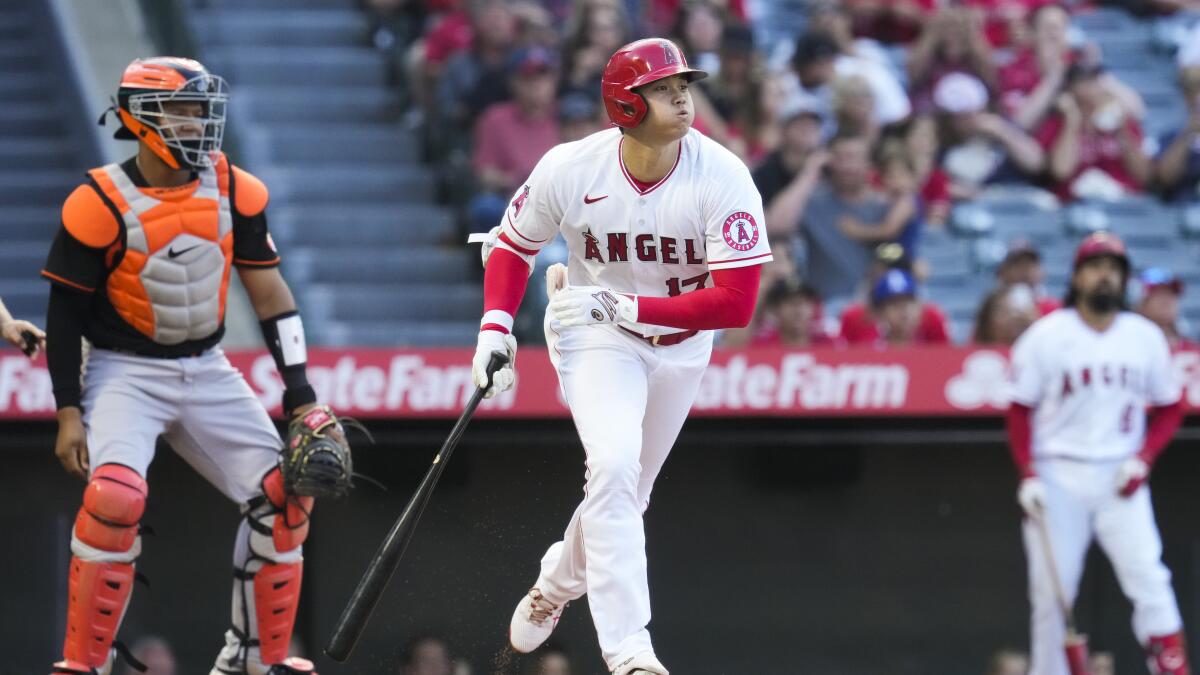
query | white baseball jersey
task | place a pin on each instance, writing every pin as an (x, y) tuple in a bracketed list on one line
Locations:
[(1091, 389), (704, 215)]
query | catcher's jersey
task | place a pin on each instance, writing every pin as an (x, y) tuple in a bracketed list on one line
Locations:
[(659, 240), (156, 261), (1090, 389)]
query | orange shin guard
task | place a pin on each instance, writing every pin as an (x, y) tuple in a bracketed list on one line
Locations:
[(276, 597), (105, 544), (98, 594)]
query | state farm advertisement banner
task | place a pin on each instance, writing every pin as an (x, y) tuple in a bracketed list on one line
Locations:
[(433, 383)]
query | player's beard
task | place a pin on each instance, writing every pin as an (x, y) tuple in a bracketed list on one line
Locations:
[(1103, 300)]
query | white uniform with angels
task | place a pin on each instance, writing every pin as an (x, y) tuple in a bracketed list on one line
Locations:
[(628, 394), (1089, 391)]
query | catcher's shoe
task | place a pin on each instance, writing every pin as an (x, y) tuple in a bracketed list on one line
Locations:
[(533, 622), (293, 665), (645, 663)]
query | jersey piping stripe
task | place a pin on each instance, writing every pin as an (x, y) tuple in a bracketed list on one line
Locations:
[(256, 263), (652, 188), (733, 260), (518, 232), (67, 282), (527, 251)]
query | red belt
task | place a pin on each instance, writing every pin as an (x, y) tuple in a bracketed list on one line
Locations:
[(662, 340)]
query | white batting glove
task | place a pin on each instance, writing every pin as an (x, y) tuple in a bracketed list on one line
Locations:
[(1031, 495), (586, 305), (1131, 475), (494, 341)]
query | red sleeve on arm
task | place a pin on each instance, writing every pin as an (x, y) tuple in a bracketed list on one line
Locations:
[(1160, 429), (728, 304), (504, 282), (1020, 438)]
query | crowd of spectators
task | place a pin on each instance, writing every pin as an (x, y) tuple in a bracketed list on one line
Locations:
[(863, 132)]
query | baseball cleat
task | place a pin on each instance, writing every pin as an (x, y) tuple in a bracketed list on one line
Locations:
[(533, 622), (644, 663)]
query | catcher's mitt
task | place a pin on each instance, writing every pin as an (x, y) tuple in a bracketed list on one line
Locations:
[(316, 461)]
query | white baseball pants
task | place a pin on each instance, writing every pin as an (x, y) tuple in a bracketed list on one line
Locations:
[(1082, 502), (629, 400)]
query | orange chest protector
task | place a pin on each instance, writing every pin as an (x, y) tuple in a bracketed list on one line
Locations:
[(172, 281)]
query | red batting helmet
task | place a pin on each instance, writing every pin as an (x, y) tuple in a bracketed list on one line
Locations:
[(1099, 244), (634, 65)]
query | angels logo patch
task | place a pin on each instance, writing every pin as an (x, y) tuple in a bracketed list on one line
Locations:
[(740, 231)]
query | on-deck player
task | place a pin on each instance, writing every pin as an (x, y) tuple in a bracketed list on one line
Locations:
[(140, 268), (1083, 379), (666, 237)]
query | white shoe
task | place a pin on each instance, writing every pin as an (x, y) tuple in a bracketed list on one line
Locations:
[(533, 622), (644, 662)]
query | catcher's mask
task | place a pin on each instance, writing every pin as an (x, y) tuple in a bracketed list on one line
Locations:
[(146, 105)]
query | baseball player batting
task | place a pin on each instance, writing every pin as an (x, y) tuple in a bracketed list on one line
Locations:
[(140, 268), (1083, 380), (666, 237)]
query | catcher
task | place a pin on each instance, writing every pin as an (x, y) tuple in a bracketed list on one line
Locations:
[(140, 268)]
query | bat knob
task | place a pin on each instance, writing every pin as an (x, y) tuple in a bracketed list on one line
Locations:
[(31, 342), (499, 360)]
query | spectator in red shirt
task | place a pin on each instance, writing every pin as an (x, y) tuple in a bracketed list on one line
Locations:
[(511, 137), (891, 21), (952, 42), (1004, 21), (1022, 266), (794, 314), (895, 316), (1094, 148), (1161, 291), (1031, 83)]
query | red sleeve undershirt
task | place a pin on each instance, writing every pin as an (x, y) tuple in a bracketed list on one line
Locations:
[(729, 303), (1020, 438), (1160, 429), (504, 282)]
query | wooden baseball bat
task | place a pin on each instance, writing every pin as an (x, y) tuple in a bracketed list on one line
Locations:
[(1076, 646), (366, 596)]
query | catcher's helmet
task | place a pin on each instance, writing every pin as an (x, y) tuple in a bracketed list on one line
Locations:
[(1099, 244), (147, 84), (634, 65)]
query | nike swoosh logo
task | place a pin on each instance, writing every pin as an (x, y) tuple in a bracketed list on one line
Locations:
[(172, 253), (589, 200)]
